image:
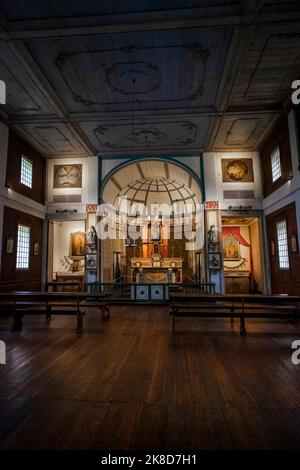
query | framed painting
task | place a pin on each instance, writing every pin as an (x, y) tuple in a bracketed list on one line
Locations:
[(77, 244), (67, 176), (237, 170), (273, 248), (214, 261), (36, 249), (231, 248), (91, 261), (294, 243)]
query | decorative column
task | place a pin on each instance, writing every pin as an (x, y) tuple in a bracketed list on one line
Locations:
[(214, 253), (92, 258)]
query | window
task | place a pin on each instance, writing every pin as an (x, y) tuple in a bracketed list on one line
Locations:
[(23, 247), (26, 172), (282, 241), (276, 164)]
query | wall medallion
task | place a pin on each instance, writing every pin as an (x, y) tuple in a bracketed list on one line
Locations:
[(67, 176), (237, 170)]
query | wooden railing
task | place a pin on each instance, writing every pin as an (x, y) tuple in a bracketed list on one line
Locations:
[(128, 291)]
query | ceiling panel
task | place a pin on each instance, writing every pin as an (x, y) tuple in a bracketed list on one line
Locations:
[(241, 133), (161, 69), (161, 133), (270, 66), (23, 94), (57, 139), (74, 85)]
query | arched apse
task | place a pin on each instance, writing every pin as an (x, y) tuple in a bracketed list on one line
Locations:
[(152, 181)]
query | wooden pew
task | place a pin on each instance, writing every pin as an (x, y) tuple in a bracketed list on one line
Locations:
[(52, 303), (63, 286), (233, 306)]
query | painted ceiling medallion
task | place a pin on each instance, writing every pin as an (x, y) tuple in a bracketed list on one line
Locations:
[(169, 132), (150, 135), (145, 76)]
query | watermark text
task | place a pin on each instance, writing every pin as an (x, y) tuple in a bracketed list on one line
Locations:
[(2, 353), (296, 354), (2, 92)]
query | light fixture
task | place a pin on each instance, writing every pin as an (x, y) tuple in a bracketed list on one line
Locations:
[(66, 211), (240, 208)]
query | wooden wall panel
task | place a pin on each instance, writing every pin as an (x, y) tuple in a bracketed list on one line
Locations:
[(278, 137), (284, 281), (11, 278), (16, 148)]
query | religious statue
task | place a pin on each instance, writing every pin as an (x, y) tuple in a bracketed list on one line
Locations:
[(91, 237), (213, 235)]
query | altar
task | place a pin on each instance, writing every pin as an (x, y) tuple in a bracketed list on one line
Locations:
[(156, 269)]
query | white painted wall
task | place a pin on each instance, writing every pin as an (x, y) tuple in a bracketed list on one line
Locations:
[(93, 187), (214, 185), (88, 192), (61, 240)]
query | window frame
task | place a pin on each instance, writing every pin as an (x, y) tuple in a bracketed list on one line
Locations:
[(286, 247), (274, 151), (20, 224), (24, 157)]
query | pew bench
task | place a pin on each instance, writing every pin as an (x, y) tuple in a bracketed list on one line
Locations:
[(237, 306), (50, 303)]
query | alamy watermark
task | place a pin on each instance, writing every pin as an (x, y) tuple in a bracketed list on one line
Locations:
[(2, 92), (296, 354), (2, 353), (128, 221), (296, 92)]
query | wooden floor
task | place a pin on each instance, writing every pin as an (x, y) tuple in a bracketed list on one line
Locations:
[(128, 383)]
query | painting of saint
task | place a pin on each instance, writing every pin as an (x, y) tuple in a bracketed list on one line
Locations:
[(77, 244), (231, 248)]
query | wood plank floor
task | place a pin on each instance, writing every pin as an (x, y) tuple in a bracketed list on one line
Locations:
[(128, 383)]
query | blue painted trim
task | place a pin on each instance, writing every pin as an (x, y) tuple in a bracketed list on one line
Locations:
[(169, 158), (202, 176), (99, 179)]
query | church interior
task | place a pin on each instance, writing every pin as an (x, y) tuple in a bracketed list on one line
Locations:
[(149, 226)]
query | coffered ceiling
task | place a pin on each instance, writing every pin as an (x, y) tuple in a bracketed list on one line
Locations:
[(136, 77)]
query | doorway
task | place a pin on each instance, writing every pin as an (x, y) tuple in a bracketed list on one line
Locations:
[(66, 251), (242, 255)]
